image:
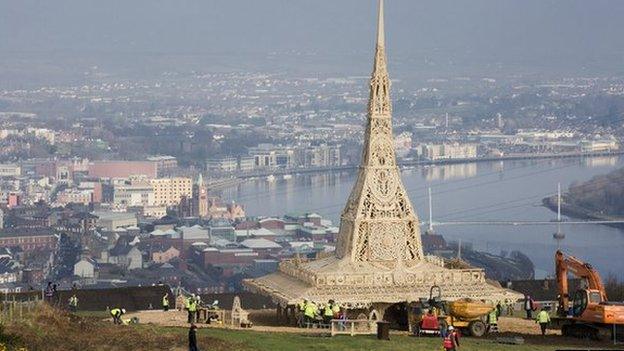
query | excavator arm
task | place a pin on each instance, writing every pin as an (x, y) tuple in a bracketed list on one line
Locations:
[(565, 264)]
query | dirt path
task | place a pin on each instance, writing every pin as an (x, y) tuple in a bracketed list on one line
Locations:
[(521, 326), (264, 321), (179, 319)]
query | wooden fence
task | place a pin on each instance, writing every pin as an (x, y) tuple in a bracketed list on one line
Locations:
[(12, 309), (352, 327)]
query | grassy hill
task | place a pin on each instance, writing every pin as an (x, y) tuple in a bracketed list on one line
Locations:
[(47, 328), (50, 329)]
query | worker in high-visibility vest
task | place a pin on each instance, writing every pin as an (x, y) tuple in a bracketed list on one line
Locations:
[(165, 302), (301, 315), (116, 313), (493, 319), (73, 303), (328, 312), (192, 309), (543, 318), (335, 309), (310, 313)]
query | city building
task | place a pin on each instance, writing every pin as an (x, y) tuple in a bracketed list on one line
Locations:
[(122, 169), (124, 255), (133, 191), (169, 191), (221, 229), (94, 186), (29, 239), (221, 165), (435, 152), (230, 260), (13, 200), (165, 255), (74, 196), (85, 268), (165, 165), (271, 156), (10, 170), (112, 220), (154, 211), (246, 163), (200, 197), (599, 145), (231, 211), (319, 156)]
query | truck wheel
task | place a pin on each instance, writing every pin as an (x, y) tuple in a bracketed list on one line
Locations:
[(477, 328)]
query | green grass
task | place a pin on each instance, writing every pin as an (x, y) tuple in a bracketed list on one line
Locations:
[(260, 341)]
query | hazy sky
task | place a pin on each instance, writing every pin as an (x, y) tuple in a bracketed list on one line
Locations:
[(518, 31)]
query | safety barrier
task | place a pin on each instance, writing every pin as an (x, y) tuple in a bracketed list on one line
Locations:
[(352, 327)]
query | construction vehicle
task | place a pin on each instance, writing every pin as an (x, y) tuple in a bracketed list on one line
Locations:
[(467, 315), (585, 313)]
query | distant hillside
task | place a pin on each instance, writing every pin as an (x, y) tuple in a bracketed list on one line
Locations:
[(603, 194), (600, 198)]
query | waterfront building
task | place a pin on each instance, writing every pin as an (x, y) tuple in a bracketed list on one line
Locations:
[(448, 151), (273, 156), (319, 156), (599, 145), (222, 165), (379, 261), (246, 163)]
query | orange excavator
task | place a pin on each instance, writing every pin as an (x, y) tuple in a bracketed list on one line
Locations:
[(590, 314)]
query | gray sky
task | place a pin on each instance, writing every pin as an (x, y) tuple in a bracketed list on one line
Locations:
[(525, 32)]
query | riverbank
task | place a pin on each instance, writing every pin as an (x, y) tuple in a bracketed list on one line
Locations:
[(580, 212), (240, 177)]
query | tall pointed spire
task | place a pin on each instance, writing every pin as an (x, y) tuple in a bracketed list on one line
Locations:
[(379, 259), (379, 103), (381, 38), (378, 223)]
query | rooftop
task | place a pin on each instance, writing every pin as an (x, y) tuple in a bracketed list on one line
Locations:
[(260, 244)]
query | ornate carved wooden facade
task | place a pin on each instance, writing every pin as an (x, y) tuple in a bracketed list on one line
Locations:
[(378, 223), (379, 258)]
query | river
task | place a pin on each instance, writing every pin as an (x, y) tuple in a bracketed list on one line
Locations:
[(487, 191)]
